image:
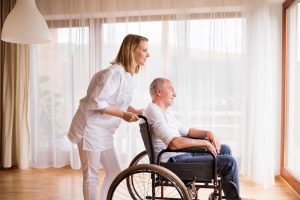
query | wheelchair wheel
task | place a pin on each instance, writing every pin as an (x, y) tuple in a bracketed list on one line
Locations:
[(141, 158), (213, 196), (151, 182)]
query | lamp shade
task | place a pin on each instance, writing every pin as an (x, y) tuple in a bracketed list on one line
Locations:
[(25, 25)]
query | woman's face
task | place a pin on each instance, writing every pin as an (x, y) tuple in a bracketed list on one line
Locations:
[(141, 53)]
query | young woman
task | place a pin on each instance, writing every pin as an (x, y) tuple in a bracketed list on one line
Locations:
[(100, 112)]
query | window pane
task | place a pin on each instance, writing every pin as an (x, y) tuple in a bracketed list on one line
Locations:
[(62, 75), (205, 61)]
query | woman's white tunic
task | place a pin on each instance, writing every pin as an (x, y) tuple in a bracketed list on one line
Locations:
[(113, 87)]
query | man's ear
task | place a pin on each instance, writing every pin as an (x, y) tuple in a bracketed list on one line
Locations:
[(158, 93)]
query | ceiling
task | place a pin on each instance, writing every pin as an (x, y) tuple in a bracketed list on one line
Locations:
[(276, 1)]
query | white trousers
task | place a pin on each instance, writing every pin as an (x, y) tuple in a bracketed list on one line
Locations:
[(90, 162)]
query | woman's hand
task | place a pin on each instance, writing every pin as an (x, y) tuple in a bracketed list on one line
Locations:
[(139, 111), (130, 117), (135, 111), (127, 116)]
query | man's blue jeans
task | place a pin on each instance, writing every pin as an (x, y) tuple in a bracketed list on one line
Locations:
[(227, 167)]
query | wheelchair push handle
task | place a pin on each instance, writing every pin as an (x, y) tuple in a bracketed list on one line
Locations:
[(142, 117)]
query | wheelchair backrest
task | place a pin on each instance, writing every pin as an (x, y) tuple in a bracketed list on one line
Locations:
[(145, 130)]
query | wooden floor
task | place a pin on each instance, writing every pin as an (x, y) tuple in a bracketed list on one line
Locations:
[(65, 184)]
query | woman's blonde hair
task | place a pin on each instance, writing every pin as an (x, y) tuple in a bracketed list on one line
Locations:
[(125, 55)]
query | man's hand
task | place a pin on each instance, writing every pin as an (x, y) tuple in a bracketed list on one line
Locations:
[(211, 148), (130, 117), (218, 146), (215, 142)]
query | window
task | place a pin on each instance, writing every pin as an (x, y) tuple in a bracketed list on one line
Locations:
[(206, 53), (60, 75)]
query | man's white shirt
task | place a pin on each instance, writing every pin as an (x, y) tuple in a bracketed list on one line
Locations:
[(165, 127)]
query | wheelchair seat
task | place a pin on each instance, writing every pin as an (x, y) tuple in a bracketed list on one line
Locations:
[(186, 171)]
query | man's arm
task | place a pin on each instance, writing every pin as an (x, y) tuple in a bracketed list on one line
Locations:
[(183, 142), (197, 133)]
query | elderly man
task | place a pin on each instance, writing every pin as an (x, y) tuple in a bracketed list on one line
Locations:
[(169, 132)]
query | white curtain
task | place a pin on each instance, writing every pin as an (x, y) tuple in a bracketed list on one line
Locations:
[(219, 55), (259, 131)]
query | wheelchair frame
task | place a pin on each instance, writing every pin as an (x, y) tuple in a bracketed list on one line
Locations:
[(178, 175)]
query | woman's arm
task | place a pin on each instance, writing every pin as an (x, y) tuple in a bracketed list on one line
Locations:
[(135, 111), (127, 116)]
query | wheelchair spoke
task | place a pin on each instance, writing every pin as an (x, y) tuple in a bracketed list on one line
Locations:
[(148, 182)]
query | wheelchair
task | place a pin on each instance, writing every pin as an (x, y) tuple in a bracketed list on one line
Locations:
[(148, 178)]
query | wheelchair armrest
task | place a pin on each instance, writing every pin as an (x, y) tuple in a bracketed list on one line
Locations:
[(195, 138), (187, 150)]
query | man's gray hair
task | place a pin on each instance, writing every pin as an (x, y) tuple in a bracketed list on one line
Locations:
[(156, 84)]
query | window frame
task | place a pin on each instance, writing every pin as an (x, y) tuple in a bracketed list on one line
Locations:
[(292, 180)]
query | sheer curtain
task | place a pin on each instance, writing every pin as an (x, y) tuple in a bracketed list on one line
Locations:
[(219, 55), (60, 72), (262, 112)]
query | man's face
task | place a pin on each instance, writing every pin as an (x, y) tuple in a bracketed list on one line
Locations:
[(168, 93)]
